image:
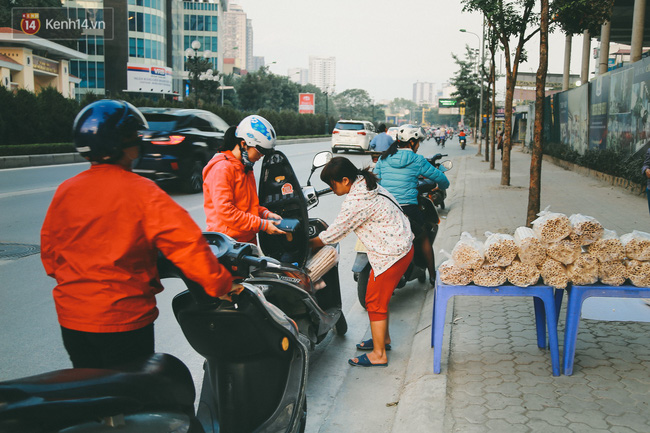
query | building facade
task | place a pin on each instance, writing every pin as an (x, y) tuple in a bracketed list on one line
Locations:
[(423, 93), (235, 40), (298, 75), (322, 73)]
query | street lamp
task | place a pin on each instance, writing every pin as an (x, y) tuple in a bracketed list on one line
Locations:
[(327, 114), (480, 110), (194, 58)]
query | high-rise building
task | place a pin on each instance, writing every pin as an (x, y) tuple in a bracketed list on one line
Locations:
[(298, 75), (146, 52), (322, 73), (423, 93), (249, 44), (258, 62), (235, 40)]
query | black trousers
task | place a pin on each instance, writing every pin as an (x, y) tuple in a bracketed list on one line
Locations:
[(107, 350)]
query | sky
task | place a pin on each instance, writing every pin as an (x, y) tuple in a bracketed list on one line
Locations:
[(381, 46)]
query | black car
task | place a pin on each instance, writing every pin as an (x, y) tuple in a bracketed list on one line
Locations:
[(178, 144)]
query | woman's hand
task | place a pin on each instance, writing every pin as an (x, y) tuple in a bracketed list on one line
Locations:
[(273, 216), (272, 229), (316, 243)]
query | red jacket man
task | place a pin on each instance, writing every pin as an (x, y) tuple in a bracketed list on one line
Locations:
[(100, 241)]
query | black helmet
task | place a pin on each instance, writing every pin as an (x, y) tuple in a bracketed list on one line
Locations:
[(102, 129)]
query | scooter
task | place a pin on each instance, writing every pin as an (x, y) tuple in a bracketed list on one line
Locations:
[(417, 267), (255, 371), (463, 141), (314, 305)]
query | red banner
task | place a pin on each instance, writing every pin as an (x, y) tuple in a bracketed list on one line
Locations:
[(306, 103)]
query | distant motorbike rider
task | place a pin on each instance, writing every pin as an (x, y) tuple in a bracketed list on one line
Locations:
[(398, 170), (230, 199), (100, 241)]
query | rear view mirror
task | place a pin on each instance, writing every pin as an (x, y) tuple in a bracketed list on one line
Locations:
[(447, 165), (321, 158)]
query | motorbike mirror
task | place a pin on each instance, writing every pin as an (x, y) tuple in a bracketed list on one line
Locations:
[(321, 158), (447, 164)]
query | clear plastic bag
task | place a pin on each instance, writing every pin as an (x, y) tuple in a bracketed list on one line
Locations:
[(522, 274), (454, 275), (637, 245), (489, 276), (565, 251), (608, 248), (531, 250), (584, 270), (612, 273), (468, 252), (638, 272), (554, 274), (500, 249), (551, 226), (585, 230)]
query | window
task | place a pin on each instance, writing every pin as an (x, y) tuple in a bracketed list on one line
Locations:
[(147, 48), (140, 47), (139, 22), (186, 22), (147, 23), (100, 45), (193, 22), (132, 52), (100, 74), (132, 21)]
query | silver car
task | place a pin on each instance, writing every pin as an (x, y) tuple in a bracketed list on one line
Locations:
[(353, 135)]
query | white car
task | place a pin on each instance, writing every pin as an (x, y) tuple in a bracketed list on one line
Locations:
[(392, 131), (353, 135)]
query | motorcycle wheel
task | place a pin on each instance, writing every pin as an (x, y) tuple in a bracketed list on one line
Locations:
[(362, 285), (341, 326)]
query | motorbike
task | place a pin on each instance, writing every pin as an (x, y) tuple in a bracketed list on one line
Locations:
[(313, 303), (255, 371), (463, 141), (256, 347), (417, 268)]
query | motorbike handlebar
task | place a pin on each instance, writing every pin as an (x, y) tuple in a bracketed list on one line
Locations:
[(324, 191), (254, 261)]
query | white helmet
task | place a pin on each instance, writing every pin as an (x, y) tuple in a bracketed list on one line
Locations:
[(257, 132), (407, 132)]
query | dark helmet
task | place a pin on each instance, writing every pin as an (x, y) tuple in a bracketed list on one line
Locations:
[(102, 129)]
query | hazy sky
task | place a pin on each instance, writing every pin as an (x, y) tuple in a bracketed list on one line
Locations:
[(381, 46)]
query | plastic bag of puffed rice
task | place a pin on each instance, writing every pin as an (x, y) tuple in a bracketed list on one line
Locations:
[(500, 249), (551, 226), (608, 248), (490, 276), (454, 275), (637, 245), (468, 252), (531, 250), (585, 230)]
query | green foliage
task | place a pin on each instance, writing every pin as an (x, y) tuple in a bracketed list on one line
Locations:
[(576, 16), (467, 83), (265, 90), (605, 161), (354, 104), (36, 149)]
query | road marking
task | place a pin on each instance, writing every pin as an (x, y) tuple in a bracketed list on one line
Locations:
[(27, 192)]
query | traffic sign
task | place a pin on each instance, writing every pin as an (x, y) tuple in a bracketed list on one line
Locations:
[(447, 102)]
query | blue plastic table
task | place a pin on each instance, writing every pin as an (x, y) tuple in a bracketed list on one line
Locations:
[(545, 314), (577, 294)]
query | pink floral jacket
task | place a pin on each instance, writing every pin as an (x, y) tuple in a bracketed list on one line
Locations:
[(379, 223)]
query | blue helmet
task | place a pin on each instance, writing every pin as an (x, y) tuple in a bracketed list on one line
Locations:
[(104, 128)]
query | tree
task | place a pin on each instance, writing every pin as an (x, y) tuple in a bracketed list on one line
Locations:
[(573, 17), (508, 19), (265, 90), (354, 104)]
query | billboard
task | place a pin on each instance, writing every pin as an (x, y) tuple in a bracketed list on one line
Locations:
[(447, 102), (148, 79), (306, 103)]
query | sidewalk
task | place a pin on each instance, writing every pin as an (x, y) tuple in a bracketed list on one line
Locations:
[(494, 378)]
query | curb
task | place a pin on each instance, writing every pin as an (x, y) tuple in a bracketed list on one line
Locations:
[(71, 158)]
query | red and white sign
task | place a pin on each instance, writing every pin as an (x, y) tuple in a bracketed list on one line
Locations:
[(306, 103)]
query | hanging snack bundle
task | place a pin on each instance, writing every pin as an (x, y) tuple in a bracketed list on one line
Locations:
[(531, 250), (489, 276), (585, 230), (468, 252), (500, 249), (639, 273), (565, 251), (608, 248), (637, 245), (584, 270), (612, 273), (554, 274), (551, 226), (522, 274)]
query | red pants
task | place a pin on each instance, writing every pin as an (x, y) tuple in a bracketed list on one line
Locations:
[(380, 289)]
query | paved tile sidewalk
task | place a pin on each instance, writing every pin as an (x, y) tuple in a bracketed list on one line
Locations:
[(497, 377)]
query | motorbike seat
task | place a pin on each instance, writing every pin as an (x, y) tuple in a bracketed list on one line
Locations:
[(67, 397)]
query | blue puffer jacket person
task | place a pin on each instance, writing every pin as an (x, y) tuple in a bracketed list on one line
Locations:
[(399, 174), (398, 170)]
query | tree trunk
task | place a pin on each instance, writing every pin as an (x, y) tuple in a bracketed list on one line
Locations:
[(493, 124), (511, 77), (534, 192)]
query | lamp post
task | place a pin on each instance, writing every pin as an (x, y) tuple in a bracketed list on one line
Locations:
[(327, 113), (482, 45), (194, 60)]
